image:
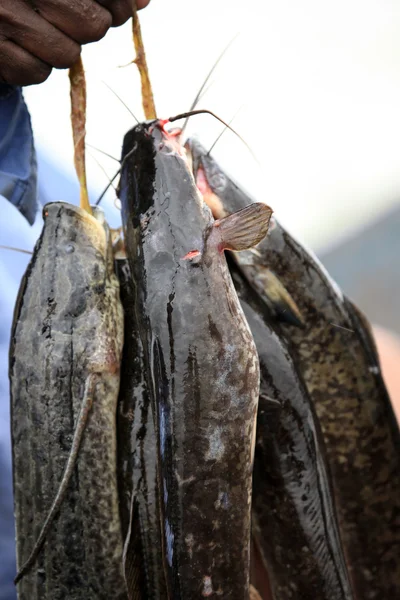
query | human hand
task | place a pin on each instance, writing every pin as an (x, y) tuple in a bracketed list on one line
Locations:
[(37, 35)]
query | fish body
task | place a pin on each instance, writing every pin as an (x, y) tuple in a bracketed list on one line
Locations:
[(294, 518), (66, 346), (201, 364), (137, 460), (340, 368)]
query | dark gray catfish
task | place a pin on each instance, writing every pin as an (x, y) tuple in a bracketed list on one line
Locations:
[(201, 364), (65, 354), (294, 519), (137, 460), (342, 374)]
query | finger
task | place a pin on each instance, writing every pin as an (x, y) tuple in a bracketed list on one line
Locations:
[(38, 37), (84, 21), (121, 10), (19, 67)]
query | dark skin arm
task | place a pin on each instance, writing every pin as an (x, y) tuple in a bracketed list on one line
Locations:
[(37, 35)]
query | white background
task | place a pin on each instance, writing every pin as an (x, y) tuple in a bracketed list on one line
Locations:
[(319, 87)]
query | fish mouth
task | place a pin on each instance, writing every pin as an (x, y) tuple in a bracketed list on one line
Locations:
[(164, 141)]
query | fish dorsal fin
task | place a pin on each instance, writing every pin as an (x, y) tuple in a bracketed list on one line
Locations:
[(244, 228)]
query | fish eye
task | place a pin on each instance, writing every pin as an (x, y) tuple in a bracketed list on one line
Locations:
[(69, 248)]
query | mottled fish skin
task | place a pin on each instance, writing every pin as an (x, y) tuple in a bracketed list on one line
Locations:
[(68, 326), (294, 519), (137, 462), (343, 376), (203, 369)]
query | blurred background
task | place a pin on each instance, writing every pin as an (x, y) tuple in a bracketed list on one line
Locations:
[(317, 87)]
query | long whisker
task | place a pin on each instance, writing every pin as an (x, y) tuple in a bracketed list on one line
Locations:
[(204, 111), (108, 186), (102, 152), (103, 169), (204, 92), (199, 93), (122, 102), (115, 176), (224, 129), (16, 249)]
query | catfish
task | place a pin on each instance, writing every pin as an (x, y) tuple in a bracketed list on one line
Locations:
[(137, 464), (342, 373), (295, 525), (201, 363), (65, 354)]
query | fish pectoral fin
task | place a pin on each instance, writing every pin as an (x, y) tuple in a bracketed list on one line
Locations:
[(245, 228), (283, 305)]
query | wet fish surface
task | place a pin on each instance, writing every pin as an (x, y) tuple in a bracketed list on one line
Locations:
[(201, 365), (65, 355), (342, 373), (294, 519), (137, 462)]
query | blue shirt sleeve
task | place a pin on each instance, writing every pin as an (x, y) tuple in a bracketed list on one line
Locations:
[(18, 168), (18, 184)]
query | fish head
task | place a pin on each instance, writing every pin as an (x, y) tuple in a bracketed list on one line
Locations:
[(76, 225), (76, 241), (74, 233), (159, 195)]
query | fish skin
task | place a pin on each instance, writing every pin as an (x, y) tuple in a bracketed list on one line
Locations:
[(202, 366), (137, 464), (294, 519), (342, 373), (68, 325)]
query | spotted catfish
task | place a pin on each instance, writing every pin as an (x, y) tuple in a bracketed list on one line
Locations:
[(294, 520), (342, 374), (65, 354), (201, 364)]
